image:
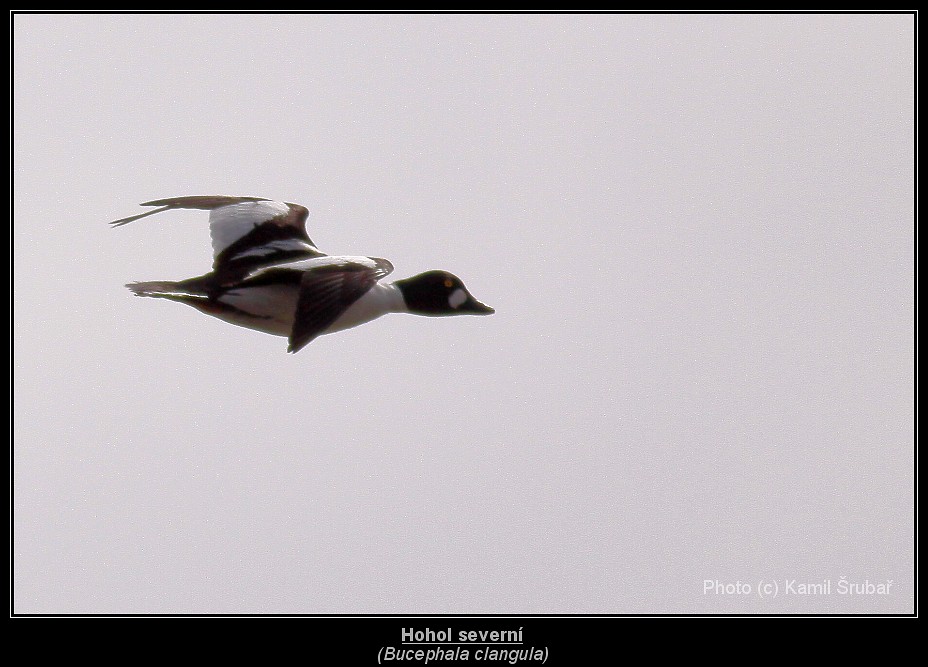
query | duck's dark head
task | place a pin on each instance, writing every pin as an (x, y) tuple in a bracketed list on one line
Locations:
[(438, 293)]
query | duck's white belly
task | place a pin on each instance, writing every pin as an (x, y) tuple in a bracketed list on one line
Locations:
[(272, 308), (269, 309)]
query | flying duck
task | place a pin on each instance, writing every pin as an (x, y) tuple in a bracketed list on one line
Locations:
[(268, 275)]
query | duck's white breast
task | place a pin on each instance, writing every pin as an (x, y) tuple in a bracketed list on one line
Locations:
[(378, 300)]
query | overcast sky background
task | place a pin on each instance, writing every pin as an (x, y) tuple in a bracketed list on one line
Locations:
[(697, 232)]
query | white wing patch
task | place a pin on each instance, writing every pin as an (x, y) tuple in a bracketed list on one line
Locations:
[(318, 262), (228, 224), (285, 245)]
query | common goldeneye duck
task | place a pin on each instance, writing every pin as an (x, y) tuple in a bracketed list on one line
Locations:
[(268, 275)]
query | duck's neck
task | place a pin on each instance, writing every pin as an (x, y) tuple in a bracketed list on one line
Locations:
[(392, 296)]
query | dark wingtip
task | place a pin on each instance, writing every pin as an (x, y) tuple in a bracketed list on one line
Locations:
[(132, 218)]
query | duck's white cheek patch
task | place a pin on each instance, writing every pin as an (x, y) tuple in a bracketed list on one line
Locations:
[(456, 298)]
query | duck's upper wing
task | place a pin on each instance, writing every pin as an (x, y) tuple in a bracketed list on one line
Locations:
[(247, 232), (327, 287)]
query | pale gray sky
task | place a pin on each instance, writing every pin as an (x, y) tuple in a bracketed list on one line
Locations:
[(697, 232)]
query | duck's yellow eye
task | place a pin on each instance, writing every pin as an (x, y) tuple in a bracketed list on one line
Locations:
[(449, 283)]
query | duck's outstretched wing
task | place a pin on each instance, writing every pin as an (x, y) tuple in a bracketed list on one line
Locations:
[(247, 232), (328, 286)]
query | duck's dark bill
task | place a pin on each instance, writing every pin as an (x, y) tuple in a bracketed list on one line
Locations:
[(474, 306)]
